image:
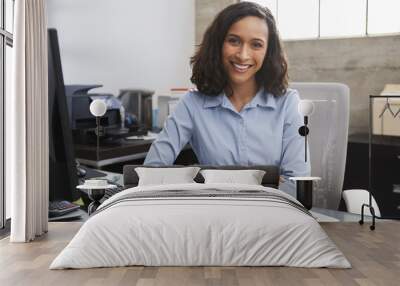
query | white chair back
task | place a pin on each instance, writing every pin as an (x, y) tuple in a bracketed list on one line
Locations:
[(355, 198), (328, 138)]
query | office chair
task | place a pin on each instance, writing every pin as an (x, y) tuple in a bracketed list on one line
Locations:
[(355, 198), (328, 138)]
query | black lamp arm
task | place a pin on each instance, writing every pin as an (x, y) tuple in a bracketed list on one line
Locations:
[(303, 131)]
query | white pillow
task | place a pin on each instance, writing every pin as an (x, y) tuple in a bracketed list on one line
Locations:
[(165, 176), (248, 177)]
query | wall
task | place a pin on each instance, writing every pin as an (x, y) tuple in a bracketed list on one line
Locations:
[(125, 44), (364, 64), (206, 10)]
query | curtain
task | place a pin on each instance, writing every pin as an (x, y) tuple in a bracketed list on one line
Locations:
[(27, 124)]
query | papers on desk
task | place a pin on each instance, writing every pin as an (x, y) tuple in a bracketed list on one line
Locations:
[(149, 136)]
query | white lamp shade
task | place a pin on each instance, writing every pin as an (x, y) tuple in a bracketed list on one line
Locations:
[(98, 107), (305, 107)]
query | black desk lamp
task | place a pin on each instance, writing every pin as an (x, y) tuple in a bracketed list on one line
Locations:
[(98, 108)]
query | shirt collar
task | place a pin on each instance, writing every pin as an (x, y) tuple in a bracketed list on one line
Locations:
[(213, 101), (262, 98)]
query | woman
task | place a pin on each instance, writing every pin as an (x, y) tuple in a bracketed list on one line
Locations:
[(243, 113)]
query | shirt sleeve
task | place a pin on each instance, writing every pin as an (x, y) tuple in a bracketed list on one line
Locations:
[(175, 135), (292, 160)]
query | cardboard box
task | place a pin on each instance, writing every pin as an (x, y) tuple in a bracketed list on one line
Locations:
[(387, 124)]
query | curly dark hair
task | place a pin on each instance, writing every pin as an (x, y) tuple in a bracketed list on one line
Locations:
[(209, 74)]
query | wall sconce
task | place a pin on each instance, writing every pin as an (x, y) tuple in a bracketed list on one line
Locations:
[(98, 108)]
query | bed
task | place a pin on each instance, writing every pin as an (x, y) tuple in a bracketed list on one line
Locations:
[(198, 224)]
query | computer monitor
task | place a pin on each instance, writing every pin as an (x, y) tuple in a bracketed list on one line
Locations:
[(62, 166)]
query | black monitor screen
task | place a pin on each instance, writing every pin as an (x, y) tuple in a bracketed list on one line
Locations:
[(62, 167)]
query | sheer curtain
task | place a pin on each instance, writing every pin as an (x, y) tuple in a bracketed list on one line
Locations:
[(27, 124)]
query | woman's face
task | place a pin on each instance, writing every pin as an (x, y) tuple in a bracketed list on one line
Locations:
[(244, 49)]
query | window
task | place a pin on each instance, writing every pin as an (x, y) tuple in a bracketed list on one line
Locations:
[(6, 42), (271, 4), (2, 195), (383, 16), (305, 19), (9, 19), (8, 61), (343, 18), (298, 19)]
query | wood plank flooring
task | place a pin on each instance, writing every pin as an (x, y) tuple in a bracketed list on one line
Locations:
[(374, 255)]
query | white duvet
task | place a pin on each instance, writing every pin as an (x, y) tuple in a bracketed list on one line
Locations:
[(200, 231)]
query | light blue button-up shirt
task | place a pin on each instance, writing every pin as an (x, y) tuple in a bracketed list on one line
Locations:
[(264, 132)]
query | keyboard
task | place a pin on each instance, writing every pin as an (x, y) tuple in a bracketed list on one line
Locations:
[(59, 208)]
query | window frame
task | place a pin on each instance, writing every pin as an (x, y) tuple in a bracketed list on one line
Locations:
[(6, 39), (365, 34)]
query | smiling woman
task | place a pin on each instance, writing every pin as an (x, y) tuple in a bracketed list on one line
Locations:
[(243, 113), (256, 26)]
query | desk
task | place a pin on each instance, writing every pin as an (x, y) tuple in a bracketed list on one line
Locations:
[(112, 153), (123, 152)]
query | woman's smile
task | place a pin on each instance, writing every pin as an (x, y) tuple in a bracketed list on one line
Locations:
[(241, 68)]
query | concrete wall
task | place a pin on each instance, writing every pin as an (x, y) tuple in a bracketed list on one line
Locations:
[(206, 10), (364, 64), (125, 43)]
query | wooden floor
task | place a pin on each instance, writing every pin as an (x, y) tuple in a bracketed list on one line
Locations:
[(374, 255)]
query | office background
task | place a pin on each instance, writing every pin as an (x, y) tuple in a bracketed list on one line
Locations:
[(125, 44), (148, 45)]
